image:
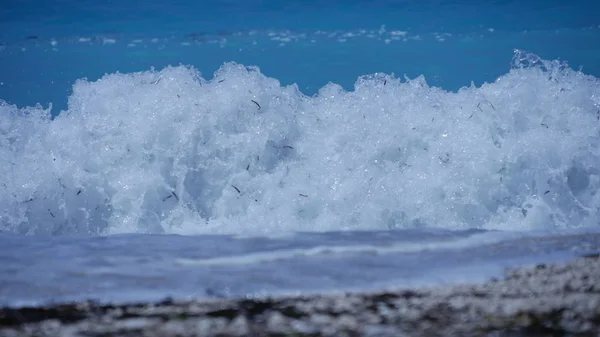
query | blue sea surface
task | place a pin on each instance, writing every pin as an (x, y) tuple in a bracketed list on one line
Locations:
[(251, 148), (49, 44)]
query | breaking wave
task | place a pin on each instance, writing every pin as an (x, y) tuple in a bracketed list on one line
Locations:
[(169, 151)]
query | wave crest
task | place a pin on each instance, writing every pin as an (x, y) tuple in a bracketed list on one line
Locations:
[(171, 152)]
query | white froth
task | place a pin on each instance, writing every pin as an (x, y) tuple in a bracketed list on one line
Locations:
[(168, 151)]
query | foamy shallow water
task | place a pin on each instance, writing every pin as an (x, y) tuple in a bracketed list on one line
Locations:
[(137, 267)]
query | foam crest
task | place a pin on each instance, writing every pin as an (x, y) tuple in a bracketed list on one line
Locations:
[(171, 152)]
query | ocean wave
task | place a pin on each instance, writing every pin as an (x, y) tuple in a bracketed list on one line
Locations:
[(168, 151)]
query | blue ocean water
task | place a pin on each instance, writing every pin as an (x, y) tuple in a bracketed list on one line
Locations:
[(247, 148), (49, 44)]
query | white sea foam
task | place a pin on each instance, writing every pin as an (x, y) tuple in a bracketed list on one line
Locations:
[(169, 151)]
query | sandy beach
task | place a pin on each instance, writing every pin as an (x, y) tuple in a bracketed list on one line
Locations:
[(545, 300)]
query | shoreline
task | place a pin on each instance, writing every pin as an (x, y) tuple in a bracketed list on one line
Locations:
[(546, 300)]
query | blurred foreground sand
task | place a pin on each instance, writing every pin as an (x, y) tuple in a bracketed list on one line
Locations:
[(546, 300)]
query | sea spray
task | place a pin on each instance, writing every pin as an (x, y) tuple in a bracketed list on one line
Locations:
[(168, 151)]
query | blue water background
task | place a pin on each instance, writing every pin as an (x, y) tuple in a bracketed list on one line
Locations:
[(41, 56)]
